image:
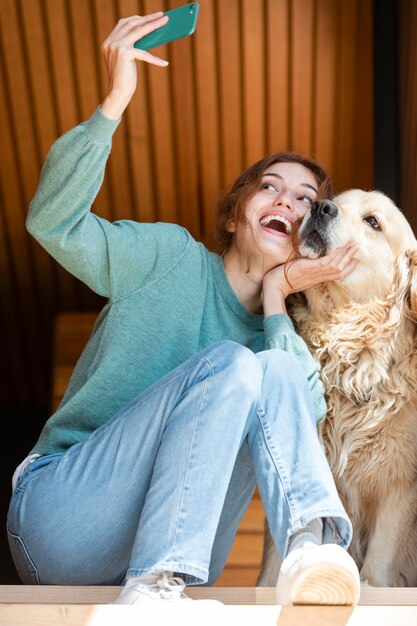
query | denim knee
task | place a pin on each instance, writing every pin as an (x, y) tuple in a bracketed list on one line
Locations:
[(283, 368), (241, 366)]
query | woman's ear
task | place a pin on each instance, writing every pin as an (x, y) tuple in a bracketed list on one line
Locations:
[(231, 226)]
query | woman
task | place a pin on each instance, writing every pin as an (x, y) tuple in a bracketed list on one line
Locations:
[(192, 389)]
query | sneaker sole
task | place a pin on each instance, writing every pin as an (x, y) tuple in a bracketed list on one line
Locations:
[(325, 584)]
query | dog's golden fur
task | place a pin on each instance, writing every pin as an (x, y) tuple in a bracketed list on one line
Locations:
[(362, 332)]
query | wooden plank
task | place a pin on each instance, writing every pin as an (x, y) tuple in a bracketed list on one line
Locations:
[(302, 60), (246, 550), (363, 149), (61, 65), (325, 80), (56, 594), (238, 577), (206, 77), (105, 20), (253, 520), (139, 137), (180, 615), (344, 114), (230, 91), (85, 49), (278, 68), (253, 78), (71, 333), (38, 61), (162, 139), (65, 113), (185, 131)]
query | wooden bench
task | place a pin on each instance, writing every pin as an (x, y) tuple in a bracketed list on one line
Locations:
[(70, 336), (87, 606)]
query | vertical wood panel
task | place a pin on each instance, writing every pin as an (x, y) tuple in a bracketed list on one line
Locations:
[(84, 60), (345, 95), (162, 130), (230, 89), (185, 132), (137, 120), (207, 113), (120, 194), (64, 87), (302, 53), (363, 105), (325, 81), (278, 72), (253, 58)]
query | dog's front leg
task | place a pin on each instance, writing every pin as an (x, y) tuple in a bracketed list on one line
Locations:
[(383, 565), (271, 563)]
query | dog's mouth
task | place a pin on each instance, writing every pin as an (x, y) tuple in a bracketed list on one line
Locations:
[(313, 242)]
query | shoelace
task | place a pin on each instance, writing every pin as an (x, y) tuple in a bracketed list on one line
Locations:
[(169, 587)]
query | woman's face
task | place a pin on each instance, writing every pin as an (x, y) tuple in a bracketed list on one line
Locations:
[(286, 193)]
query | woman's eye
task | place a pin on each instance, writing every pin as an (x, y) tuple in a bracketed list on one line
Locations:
[(306, 200), (269, 187), (372, 221)]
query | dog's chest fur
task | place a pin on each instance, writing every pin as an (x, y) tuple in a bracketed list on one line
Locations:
[(368, 364)]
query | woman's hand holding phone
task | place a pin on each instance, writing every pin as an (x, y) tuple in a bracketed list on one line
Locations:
[(120, 57)]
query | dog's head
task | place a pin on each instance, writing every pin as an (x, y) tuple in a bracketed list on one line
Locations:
[(387, 246)]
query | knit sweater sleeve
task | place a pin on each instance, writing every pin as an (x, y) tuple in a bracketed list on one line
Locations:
[(280, 333), (115, 258)]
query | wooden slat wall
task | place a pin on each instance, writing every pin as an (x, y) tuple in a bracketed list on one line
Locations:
[(408, 108), (258, 76)]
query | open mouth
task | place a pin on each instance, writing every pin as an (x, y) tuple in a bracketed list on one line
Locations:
[(277, 223)]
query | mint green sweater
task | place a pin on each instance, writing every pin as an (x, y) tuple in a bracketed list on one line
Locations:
[(168, 296)]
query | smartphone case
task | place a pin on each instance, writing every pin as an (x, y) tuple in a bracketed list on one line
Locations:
[(182, 22)]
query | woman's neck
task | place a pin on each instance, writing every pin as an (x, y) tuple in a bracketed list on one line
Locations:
[(245, 282)]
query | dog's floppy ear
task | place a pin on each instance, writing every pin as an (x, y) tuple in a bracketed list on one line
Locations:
[(413, 281), (405, 282)]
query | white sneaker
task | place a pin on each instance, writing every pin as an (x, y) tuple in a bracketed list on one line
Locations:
[(163, 588), (313, 574)]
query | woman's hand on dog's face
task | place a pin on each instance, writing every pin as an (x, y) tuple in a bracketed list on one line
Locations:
[(303, 273)]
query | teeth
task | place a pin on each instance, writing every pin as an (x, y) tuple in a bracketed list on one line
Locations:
[(264, 221)]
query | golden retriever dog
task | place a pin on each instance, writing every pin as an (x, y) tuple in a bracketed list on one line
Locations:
[(362, 332)]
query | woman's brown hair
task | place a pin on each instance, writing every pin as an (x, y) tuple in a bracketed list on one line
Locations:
[(231, 205)]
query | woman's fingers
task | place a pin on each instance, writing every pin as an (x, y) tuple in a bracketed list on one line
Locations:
[(143, 55), (336, 265), (341, 256), (130, 29), (143, 28), (120, 57), (125, 24)]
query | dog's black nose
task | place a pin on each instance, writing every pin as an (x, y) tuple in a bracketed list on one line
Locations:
[(324, 210)]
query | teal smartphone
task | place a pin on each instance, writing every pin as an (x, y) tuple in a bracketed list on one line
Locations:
[(182, 22)]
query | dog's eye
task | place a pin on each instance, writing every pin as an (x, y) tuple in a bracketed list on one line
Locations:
[(372, 221)]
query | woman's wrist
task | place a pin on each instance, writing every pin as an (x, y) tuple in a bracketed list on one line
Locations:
[(273, 300), (114, 104)]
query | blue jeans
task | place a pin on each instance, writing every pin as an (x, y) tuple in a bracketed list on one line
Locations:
[(164, 484)]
